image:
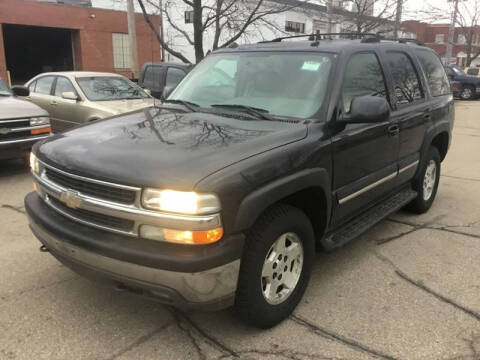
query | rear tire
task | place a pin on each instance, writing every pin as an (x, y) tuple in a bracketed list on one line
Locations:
[(427, 183), (275, 267)]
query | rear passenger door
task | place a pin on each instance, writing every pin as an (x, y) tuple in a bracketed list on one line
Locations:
[(41, 92), (411, 109)]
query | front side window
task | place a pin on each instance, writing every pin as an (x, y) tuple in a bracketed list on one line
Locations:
[(44, 85), (63, 85), (436, 77), (174, 76), (363, 76), (153, 77), (292, 84), (405, 78), (105, 88), (4, 89)]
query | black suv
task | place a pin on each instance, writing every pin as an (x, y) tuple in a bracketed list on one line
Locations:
[(466, 87), (162, 77), (264, 152)]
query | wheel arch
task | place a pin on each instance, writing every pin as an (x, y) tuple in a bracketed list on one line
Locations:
[(441, 142), (308, 190)]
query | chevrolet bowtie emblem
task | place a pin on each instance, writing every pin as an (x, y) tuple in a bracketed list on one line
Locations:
[(4, 131), (71, 199)]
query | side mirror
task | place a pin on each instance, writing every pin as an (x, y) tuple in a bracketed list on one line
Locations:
[(167, 90), (20, 90), (70, 95), (368, 109)]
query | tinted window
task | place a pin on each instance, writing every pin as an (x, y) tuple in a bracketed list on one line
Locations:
[(174, 76), (363, 76), (44, 85), (405, 78), (436, 77), (63, 85), (4, 89), (473, 71), (153, 77)]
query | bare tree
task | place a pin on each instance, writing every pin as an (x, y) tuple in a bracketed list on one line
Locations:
[(368, 16), (228, 20)]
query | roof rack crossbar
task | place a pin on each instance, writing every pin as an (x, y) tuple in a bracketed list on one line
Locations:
[(323, 36), (410, 40)]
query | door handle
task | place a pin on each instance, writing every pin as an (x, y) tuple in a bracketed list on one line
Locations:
[(393, 130), (427, 116)]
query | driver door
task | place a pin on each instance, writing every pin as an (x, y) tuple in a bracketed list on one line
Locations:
[(365, 155)]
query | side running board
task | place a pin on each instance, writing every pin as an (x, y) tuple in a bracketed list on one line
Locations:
[(362, 223)]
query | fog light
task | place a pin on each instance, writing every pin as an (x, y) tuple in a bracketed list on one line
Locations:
[(181, 236)]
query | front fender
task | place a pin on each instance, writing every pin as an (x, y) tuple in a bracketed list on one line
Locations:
[(254, 204)]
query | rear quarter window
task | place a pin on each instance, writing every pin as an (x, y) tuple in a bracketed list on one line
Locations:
[(436, 77)]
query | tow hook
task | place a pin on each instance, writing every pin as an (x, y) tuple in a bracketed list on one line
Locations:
[(43, 248)]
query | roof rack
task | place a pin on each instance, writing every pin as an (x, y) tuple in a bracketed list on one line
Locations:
[(411, 40), (366, 37)]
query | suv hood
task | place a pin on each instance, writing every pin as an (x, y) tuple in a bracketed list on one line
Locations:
[(163, 147), (12, 107)]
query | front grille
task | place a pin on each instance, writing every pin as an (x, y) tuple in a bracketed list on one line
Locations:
[(100, 191), (14, 124), (92, 217)]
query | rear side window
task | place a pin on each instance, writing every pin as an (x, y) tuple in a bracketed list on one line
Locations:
[(153, 77), (405, 78), (436, 77), (174, 76), (473, 71), (363, 76), (44, 85)]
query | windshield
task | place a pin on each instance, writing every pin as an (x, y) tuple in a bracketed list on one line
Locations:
[(4, 89), (104, 88), (292, 85)]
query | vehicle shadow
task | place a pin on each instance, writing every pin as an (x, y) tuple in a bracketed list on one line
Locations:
[(13, 167)]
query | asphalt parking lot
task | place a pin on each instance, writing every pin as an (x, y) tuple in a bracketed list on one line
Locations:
[(408, 289)]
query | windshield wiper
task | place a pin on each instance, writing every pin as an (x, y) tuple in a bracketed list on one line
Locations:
[(188, 104), (257, 112)]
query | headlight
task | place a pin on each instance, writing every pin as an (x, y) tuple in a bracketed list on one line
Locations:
[(180, 201), (34, 163), (39, 121)]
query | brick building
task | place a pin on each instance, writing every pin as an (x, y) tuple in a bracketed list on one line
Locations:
[(38, 36), (436, 37)]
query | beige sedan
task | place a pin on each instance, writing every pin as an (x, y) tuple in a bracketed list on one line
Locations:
[(77, 97)]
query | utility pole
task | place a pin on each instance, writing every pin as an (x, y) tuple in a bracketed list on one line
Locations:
[(330, 16), (451, 32), (162, 50), (132, 37), (398, 19)]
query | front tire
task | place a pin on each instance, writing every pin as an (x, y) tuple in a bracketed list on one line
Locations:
[(276, 265), (427, 183)]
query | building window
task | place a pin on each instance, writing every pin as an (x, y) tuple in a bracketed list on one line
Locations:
[(440, 38), (462, 39), (189, 17), (295, 27), (121, 51)]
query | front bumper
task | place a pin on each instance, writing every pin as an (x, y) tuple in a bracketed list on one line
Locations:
[(12, 149), (181, 275)]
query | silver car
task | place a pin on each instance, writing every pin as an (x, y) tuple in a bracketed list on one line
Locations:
[(76, 97)]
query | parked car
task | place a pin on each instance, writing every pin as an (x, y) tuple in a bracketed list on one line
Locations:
[(473, 71), (160, 76), (220, 196), (470, 84), (21, 123), (78, 97)]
